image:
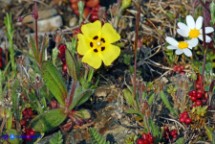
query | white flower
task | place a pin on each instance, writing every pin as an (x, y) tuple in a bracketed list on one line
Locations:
[(193, 30), (181, 46)]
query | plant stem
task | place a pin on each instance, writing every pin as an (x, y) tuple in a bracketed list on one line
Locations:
[(69, 99), (36, 37), (36, 16)]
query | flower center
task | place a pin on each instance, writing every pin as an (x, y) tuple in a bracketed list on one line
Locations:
[(194, 33), (182, 45), (97, 44)]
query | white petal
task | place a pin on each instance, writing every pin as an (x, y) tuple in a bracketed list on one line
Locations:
[(190, 22), (207, 38), (178, 52), (200, 37), (182, 32), (170, 47), (182, 26), (193, 42), (199, 22), (187, 52), (208, 30), (172, 41)]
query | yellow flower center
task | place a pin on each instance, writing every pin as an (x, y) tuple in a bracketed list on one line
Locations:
[(194, 33), (182, 45), (97, 44)]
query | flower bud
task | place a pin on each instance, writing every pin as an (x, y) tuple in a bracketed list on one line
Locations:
[(126, 4)]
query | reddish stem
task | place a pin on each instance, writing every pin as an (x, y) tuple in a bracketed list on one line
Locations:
[(69, 99)]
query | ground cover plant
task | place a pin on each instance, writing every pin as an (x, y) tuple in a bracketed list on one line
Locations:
[(107, 72)]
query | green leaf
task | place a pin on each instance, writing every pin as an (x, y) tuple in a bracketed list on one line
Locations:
[(15, 100), (154, 129), (166, 102), (133, 111), (9, 118), (209, 132), (151, 99), (48, 120), (80, 96), (71, 65), (180, 141), (56, 138), (54, 82), (84, 96), (34, 49), (83, 114), (97, 138), (128, 97)]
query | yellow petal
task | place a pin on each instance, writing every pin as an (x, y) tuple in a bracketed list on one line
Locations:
[(92, 59), (83, 44), (92, 29), (109, 33), (110, 54)]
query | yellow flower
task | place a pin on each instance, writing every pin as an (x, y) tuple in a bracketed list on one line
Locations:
[(95, 44)]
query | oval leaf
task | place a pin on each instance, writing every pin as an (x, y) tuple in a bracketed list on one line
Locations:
[(54, 82), (71, 65), (48, 120), (128, 97)]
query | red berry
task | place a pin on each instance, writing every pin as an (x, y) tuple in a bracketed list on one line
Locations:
[(31, 132), (192, 93), (188, 121), (173, 132), (24, 112), (144, 136), (198, 103), (181, 68), (140, 141), (30, 112), (181, 119), (62, 50), (184, 115), (199, 95), (193, 99), (176, 68)]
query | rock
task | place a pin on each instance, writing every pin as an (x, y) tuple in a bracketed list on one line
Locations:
[(50, 24), (48, 20)]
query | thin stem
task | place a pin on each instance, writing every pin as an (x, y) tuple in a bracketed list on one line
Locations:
[(36, 16), (36, 37), (69, 99)]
